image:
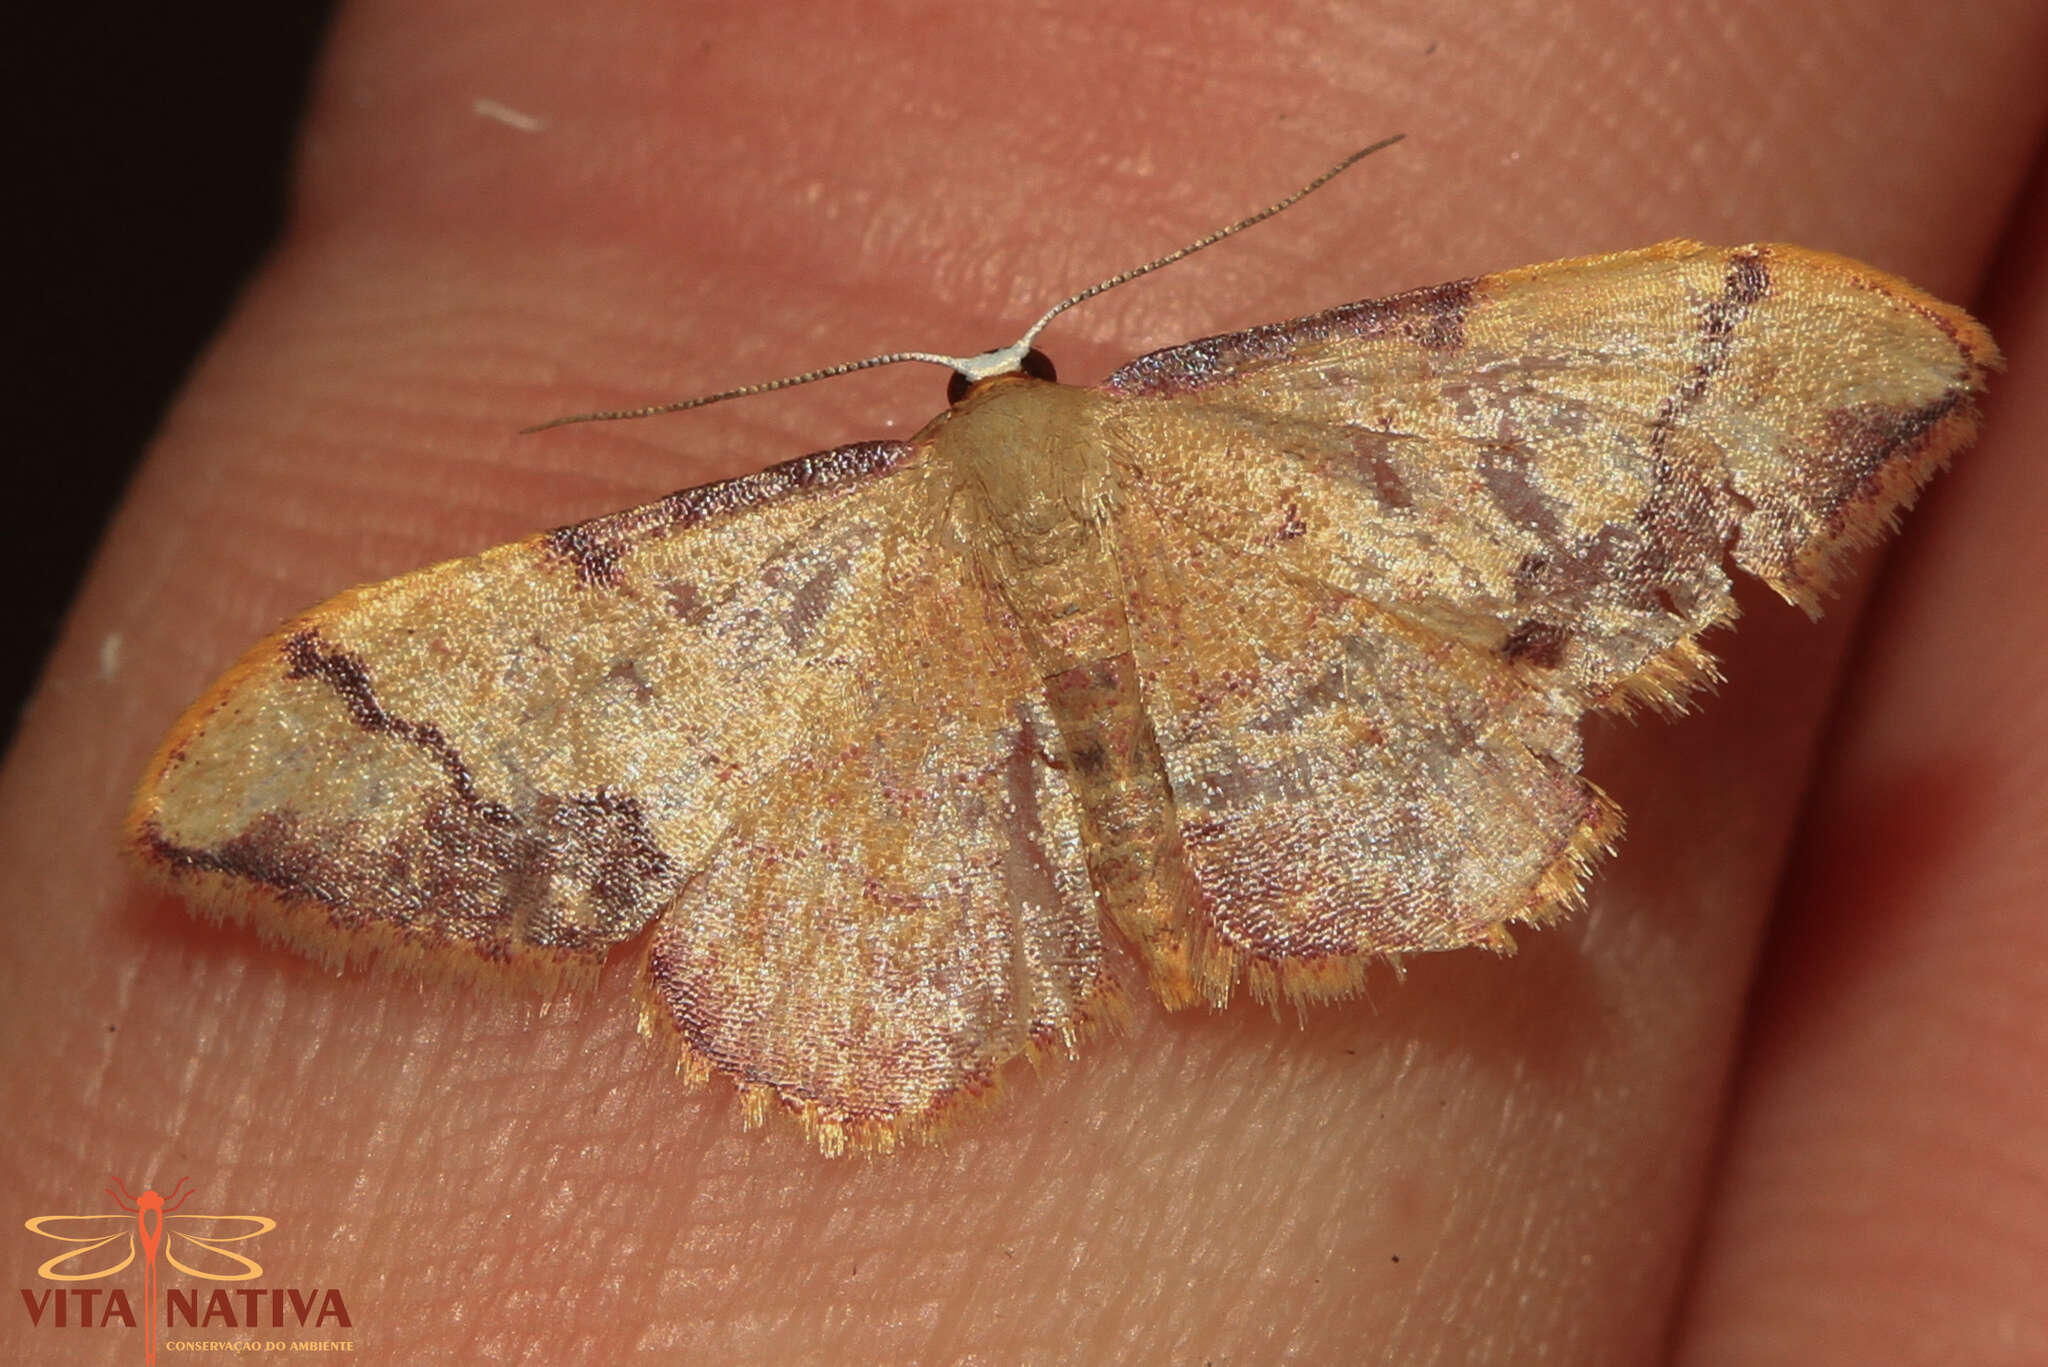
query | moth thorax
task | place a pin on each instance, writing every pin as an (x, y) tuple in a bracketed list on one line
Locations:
[(1030, 455)]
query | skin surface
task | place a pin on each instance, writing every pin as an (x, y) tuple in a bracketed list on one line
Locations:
[(1572, 1154)]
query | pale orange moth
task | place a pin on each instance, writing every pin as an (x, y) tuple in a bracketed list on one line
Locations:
[(1269, 652)]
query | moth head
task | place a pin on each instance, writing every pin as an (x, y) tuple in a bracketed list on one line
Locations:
[(1002, 361)]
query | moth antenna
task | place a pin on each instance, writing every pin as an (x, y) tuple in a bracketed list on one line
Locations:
[(1023, 343), (745, 390), (1001, 361)]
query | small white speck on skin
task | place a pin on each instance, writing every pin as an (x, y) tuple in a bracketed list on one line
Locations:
[(110, 656), (507, 115)]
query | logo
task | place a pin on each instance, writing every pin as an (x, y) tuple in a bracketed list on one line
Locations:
[(209, 1248)]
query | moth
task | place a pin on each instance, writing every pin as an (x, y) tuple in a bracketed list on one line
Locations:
[(1266, 656)]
